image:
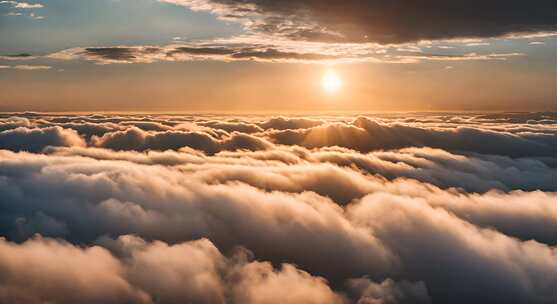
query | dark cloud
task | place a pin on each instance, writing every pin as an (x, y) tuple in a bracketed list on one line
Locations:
[(201, 51), (20, 56), (385, 21), (273, 54), (231, 51), (111, 53)]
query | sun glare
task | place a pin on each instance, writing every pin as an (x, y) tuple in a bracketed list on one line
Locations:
[(331, 82)]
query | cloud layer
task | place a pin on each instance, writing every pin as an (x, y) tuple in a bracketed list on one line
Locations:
[(413, 208), (267, 49)]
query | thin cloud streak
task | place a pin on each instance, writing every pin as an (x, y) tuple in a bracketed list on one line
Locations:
[(263, 51)]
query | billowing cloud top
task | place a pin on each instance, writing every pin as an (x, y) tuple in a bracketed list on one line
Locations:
[(391, 209)]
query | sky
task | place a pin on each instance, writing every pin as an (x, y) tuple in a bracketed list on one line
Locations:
[(265, 56)]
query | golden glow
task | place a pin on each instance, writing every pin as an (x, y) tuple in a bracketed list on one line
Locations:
[(331, 82)]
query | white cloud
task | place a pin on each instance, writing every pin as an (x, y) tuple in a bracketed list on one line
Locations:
[(28, 67), (22, 5)]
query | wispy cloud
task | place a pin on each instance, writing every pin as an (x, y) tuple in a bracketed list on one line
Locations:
[(265, 50), (22, 5), (16, 57), (27, 67), (463, 57)]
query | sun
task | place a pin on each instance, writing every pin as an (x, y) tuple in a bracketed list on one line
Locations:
[(331, 83)]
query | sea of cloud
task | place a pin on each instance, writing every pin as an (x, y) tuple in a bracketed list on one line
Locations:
[(372, 209)]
